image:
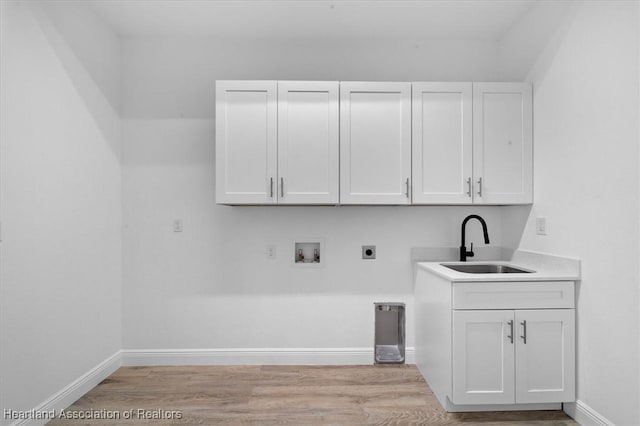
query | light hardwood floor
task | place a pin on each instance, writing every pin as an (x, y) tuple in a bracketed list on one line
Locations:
[(283, 395)]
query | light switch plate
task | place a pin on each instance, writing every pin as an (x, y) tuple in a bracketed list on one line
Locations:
[(541, 225)]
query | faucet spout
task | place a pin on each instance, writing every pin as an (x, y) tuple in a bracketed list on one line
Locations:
[(463, 248)]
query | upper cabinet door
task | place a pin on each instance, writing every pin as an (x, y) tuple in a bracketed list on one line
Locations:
[(375, 143), (246, 142), (502, 143), (308, 142), (442, 143)]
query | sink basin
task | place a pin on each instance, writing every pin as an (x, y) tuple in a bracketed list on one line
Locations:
[(487, 268)]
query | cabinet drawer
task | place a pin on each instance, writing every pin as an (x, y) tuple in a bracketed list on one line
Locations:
[(513, 295)]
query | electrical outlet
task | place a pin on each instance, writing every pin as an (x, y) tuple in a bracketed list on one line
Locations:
[(271, 252), (177, 225), (368, 252), (541, 225)]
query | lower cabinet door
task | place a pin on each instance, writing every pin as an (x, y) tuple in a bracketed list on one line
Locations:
[(545, 354), (483, 357)]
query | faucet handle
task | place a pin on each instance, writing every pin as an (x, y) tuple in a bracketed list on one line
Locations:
[(470, 253)]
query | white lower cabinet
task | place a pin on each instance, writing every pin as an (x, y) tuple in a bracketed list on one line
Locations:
[(545, 362), (483, 360), (495, 345), (513, 356)]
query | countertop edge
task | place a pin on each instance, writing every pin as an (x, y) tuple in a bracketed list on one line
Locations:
[(542, 273)]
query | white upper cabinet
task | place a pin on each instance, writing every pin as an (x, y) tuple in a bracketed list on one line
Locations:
[(375, 143), (502, 143), (277, 142), (442, 143), (246, 142), (316, 142), (308, 142), (472, 143)]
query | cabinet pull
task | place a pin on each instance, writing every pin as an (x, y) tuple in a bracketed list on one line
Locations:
[(480, 187), (281, 187), (271, 187), (510, 336), (407, 193), (469, 187), (524, 334)]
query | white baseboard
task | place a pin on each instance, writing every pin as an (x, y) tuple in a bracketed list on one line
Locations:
[(585, 415), (254, 356), (70, 393)]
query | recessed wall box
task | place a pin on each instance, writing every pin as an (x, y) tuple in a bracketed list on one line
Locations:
[(308, 253)]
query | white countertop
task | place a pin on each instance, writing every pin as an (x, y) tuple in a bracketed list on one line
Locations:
[(545, 267)]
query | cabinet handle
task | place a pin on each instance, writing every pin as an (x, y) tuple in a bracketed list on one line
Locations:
[(510, 336), (407, 193), (271, 187), (480, 187), (281, 187), (524, 334), (469, 187)]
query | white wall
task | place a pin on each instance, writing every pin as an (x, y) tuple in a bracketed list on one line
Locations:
[(93, 42), (587, 186), (520, 47), (175, 77), (212, 286), (60, 195)]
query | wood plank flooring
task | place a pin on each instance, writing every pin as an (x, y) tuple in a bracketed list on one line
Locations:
[(280, 395)]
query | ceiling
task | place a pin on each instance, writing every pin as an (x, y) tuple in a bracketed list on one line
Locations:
[(401, 19)]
